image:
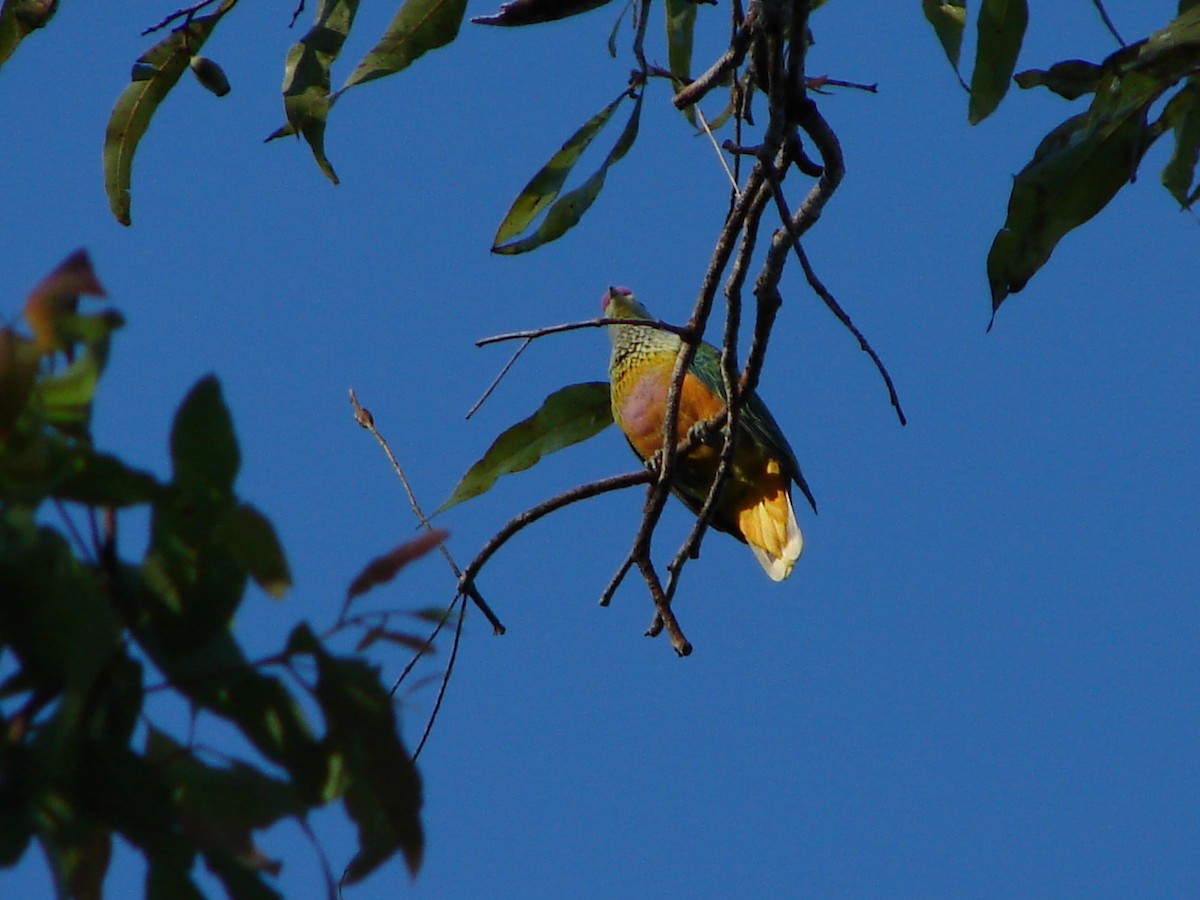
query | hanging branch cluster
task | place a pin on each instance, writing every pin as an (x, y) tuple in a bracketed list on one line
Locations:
[(766, 55)]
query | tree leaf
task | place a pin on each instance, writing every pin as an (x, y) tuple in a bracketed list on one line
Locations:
[(681, 25), (250, 539), (1001, 29), (948, 21), (20, 18), (568, 416), (418, 27), (531, 12), (569, 209), (383, 569), (154, 74), (1078, 167), (99, 479), (383, 789), (306, 79), (1179, 174), (204, 451), (1070, 79), (545, 185)]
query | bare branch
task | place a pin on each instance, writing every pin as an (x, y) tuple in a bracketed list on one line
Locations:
[(1108, 23), (466, 582), (364, 418), (495, 381), (699, 87), (187, 13), (598, 322)]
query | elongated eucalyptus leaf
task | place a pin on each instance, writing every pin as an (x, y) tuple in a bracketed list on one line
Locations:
[(568, 416), (1001, 28), (681, 25), (545, 185), (1075, 171), (531, 12), (948, 20), (418, 27), (154, 74), (568, 209), (1179, 174), (306, 79)]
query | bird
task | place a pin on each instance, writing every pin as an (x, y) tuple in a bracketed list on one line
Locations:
[(755, 505)]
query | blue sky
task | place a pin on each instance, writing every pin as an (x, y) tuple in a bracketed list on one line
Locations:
[(981, 678)]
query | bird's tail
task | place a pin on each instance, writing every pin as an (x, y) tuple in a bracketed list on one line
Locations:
[(769, 525)]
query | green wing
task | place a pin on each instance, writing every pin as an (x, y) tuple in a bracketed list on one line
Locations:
[(756, 420)]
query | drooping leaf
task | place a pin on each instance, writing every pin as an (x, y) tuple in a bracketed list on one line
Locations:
[(251, 540), (1071, 78), (18, 19), (418, 27), (948, 20), (383, 569), (1183, 113), (1001, 29), (531, 12), (306, 78), (568, 416), (568, 209), (1075, 171), (545, 185), (154, 74), (681, 25)]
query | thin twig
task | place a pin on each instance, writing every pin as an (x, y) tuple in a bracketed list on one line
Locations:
[(831, 303), (296, 14), (428, 641), (366, 420), (1108, 23), (495, 381), (531, 333), (592, 489), (441, 694), (187, 12)]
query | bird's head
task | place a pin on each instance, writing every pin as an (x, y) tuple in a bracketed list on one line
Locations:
[(619, 303)]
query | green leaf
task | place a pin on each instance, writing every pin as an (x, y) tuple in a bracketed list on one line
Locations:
[(1001, 28), (681, 25), (204, 451), (1074, 173), (418, 27), (569, 208), (250, 539), (54, 617), (154, 74), (568, 416), (98, 479), (306, 79), (18, 19), (948, 21), (1183, 114), (531, 12), (545, 185), (383, 789), (65, 399), (1071, 78), (19, 360)]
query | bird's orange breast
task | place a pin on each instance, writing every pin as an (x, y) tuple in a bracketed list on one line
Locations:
[(640, 403)]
